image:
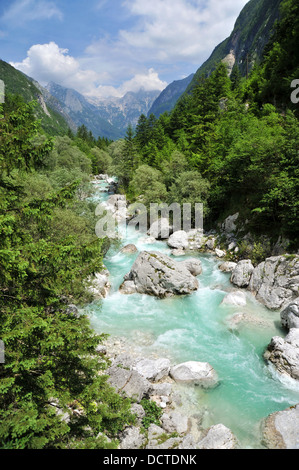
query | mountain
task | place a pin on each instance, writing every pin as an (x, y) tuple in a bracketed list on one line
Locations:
[(53, 121), (80, 111), (126, 110), (169, 96), (106, 118), (246, 44)]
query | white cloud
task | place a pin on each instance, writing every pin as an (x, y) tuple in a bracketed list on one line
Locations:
[(177, 30), (160, 40), (172, 36), (22, 11), (49, 62)]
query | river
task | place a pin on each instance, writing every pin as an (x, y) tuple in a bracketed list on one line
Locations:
[(199, 327)]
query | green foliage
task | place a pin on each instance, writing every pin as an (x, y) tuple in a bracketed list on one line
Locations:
[(16, 83), (152, 413), (148, 183), (227, 143), (101, 161), (53, 390)]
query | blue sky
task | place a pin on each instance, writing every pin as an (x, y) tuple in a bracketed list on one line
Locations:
[(105, 48)]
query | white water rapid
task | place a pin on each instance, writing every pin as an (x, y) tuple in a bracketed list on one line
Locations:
[(199, 327)]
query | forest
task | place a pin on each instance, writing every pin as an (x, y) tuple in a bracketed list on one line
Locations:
[(231, 142)]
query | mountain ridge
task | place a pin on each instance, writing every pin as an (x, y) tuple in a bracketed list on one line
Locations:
[(106, 118), (169, 96), (247, 41)]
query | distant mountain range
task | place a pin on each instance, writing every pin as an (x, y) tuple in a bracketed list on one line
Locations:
[(108, 118)]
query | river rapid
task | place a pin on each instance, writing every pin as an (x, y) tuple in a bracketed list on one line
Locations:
[(199, 327)]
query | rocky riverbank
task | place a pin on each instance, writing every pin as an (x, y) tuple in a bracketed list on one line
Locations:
[(181, 425), (156, 379), (274, 283)]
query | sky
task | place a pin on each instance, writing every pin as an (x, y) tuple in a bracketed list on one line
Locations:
[(105, 48)]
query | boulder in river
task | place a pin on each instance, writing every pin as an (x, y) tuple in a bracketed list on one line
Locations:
[(193, 265), (178, 240), (129, 249), (275, 281), (196, 373), (281, 429), (283, 353), (290, 315), (242, 273), (227, 266), (156, 274), (218, 437)]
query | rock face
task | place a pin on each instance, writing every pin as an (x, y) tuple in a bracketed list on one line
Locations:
[(229, 226), (129, 382), (290, 315), (242, 273), (193, 265), (281, 429), (154, 273), (227, 266), (283, 353), (178, 240), (218, 437), (275, 282), (129, 249), (153, 370), (196, 373)]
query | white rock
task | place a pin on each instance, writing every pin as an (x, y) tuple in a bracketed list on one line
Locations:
[(227, 266), (193, 265), (220, 253), (210, 244), (175, 422), (241, 275), (218, 437), (151, 369), (99, 284), (283, 353), (229, 225), (275, 281), (290, 315), (281, 429), (197, 373), (154, 273), (178, 240)]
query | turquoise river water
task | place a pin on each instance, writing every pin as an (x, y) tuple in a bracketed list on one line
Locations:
[(198, 327)]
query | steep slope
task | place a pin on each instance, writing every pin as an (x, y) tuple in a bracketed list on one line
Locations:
[(126, 110), (168, 97), (81, 111), (245, 46), (106, 118), (16, 82)]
